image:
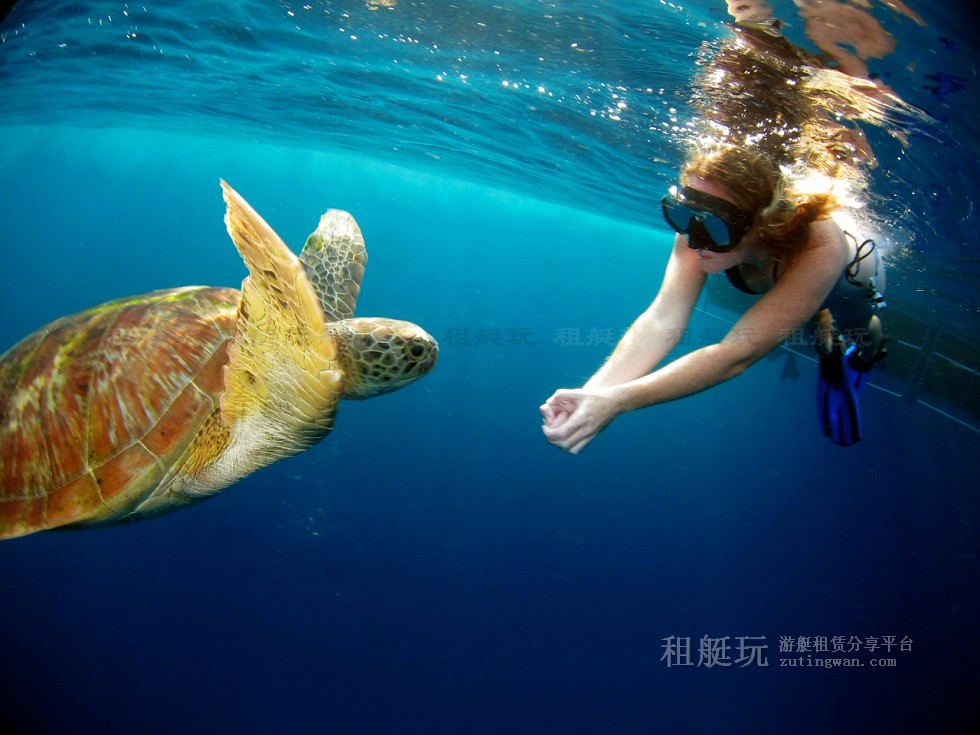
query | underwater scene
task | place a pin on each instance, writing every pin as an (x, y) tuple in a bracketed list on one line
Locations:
[(425, 558)]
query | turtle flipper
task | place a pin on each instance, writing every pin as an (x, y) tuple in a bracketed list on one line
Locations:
[(283, 377), (334, 258)]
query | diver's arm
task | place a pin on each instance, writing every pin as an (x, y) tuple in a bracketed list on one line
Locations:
[(574, 417), (658, 329), (789, 305)]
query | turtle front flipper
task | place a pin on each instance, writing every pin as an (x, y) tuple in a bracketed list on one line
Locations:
[(334, 258), (282, 379)]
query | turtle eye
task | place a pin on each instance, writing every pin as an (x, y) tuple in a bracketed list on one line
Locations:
[(416, 350)]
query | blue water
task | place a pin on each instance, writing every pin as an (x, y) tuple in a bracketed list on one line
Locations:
[(435, 566)]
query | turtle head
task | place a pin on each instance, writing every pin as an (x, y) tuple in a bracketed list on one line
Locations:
[(384, 355)]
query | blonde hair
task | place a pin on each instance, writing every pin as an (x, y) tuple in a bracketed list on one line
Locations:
[(756, 183), (759, 90), (776, 128)]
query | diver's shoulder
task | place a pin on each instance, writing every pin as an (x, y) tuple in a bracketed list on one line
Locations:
[(826, 230), (827, 241)]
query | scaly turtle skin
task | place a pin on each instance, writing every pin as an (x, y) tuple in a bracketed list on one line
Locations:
[(146, 404)]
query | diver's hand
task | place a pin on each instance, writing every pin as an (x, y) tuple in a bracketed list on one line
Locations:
[(572, 418)]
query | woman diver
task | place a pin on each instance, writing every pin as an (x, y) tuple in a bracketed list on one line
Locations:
[(747, 206)]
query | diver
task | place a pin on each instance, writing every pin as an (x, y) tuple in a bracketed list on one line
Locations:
[(735, 214), (755, 203)]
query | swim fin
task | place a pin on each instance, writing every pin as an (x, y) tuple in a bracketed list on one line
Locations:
[(838, 383)]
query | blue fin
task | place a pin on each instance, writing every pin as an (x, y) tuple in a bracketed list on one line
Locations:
[(838, 408)]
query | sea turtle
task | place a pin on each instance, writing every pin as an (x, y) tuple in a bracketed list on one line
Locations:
[(146, 404)]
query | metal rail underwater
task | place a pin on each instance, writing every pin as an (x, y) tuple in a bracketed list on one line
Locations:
[(926, 366)]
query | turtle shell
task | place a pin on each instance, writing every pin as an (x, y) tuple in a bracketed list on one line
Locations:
[(96, 409)]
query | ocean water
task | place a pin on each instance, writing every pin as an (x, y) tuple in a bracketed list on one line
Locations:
[(435, 566)]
